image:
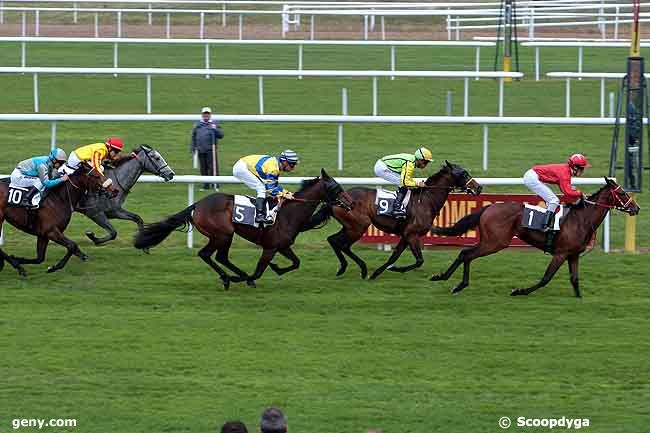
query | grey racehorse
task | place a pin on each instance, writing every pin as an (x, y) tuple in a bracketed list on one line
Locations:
[(101, 208)]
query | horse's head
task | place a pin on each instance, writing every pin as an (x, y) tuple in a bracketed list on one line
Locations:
[(86, 178), (461, 179), (153, 162), (335, 194), (620, 199)]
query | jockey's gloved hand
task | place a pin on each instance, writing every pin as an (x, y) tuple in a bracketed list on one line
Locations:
[(288, 195), (421, 184)]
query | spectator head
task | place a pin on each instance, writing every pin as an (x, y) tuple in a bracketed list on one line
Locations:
[(206, 113), (273, 421), (234, 427)]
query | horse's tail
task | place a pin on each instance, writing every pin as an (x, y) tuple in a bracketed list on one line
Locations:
[(318, 219), (153, 234), (462, 225)]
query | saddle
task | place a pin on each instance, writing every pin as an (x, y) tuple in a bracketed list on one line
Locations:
[(28, 198), (384, 201), (243, 211)]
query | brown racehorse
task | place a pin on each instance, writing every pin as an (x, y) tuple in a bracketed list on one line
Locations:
[(212, 216), (424, 206), (498, 223), (50, 220)]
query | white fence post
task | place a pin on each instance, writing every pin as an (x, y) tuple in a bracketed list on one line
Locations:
[(606, 233), (53, 135), (148, 93), (536, 63), (37, 23), (374, 96), (616, 23), (365, 27), (500, 97), (207, 59), (300, 60), (190, 202), (2, 17), (383, 28), (485, 147), (392, 60), (311, 29), (478, 60), (241, 27), (612, 104), (201, 25), (223, 15), (119, 24), (344, 111), (23, 27), (75, 13), (168, 26), (602, 97), (115, 57), (35, 93), (466, 98), (23, 54), (96, 24), (568, 98), (260, 93), (580, 61), (149, 15)]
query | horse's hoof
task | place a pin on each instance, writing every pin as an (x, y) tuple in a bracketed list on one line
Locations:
[(51, 269), (435, 277), (373, 277), (84, 257), (341, 271), (457, 290), (226, 283), (251, 283), (89, 234), (364, 274), (22, 272), (146, 251), (517, 292)]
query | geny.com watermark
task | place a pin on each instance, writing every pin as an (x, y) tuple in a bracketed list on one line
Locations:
[(40, 423), (550, 423)]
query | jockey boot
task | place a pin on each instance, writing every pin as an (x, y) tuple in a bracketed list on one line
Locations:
[(260, 211), (549, 221), (398, 209)]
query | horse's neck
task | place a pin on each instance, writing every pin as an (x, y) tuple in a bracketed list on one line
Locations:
[(67, 193), (127, 174), (301, 211), (592, 216), (438, 195)]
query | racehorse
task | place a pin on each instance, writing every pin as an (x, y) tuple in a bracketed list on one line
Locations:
[(424, 205), (50, 220), (498, 223), (212, 216), (101, 207)]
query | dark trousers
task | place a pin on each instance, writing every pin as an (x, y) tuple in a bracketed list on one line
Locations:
[(205, 164)]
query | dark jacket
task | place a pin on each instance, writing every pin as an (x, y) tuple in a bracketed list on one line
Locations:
[(204, 137)]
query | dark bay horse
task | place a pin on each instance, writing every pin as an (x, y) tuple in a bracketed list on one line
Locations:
[(212, 216), (101, 207), (424, 206), (50, 220), (498, 223)]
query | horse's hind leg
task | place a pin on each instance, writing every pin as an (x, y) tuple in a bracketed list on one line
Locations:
[(416, 249), (552, 268), (71, 246), (222, 257), (206, 255), (335, 241), (17, 266), (289, 254), (41, 248), (573, 269), (399, 249), (124, 214), (101, 220)]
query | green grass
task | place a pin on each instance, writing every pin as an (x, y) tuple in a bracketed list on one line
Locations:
[(134, 343)]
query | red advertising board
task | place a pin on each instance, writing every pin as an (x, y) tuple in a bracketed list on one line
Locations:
[(456, 207)]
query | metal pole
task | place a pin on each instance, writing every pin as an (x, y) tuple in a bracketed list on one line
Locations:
[(201, 25), (606, 234), (448, 28), (457, 29), (383, 28), (260, 92), (500, 97), (168, 26), (568, 98), (392, 60), (190, 202), (536, 63), (35, 93), (37, 23), (223, 15), (75, 14), (148, 94), (374, 96), (612, 104), (311, 29), (23, 54), (466, 98), (478, 60), (300, 60), (344, 111), (579, 61), (207, 59), (96, 24), (241, 25), (485, 147), (24, 24), (2, 18), (365, 27), (149, 16), (616, 24), (119, 24), (115, 57), (449, 103), (602, 97), (53, 135), (531, 25)]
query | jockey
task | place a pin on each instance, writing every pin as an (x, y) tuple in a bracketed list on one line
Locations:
[(40, 172), (95, 154), (261, 173), (398, 170), (555, 174)]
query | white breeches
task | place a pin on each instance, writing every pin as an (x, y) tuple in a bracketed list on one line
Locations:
[(240, 171), (531, 180), (382, 171)]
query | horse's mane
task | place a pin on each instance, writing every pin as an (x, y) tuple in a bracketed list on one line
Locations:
[(431, 180), (307, 183), (601, 189)]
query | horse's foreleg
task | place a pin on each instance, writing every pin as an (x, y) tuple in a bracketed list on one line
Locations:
[(17, 266), (262, 263), (552, 268), (206, 255), (335, 242), (573, 269), (346, 247), (41, 248), (71, 246), (399, 249), (289, 254), (101, 220), (416, 249), (222, 257)]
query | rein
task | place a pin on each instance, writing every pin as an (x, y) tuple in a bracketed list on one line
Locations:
[(620, 206)]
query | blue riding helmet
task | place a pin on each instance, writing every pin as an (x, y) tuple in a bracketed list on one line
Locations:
[(290, 156), (58, 155)]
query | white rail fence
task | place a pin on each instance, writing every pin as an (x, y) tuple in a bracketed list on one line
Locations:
[(208, 43), (262, 73), (346, 181)]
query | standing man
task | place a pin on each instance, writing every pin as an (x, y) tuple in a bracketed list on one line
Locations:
[(205, 136)]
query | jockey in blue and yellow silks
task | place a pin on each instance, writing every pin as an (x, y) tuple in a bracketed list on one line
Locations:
[(261, 173)]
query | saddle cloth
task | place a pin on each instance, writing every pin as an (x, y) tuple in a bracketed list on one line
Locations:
[(19, 196), (533, 217), (385, 199), (243, 211)]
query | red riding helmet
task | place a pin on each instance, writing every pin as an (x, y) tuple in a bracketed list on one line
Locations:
[(114, 143), (577, 160)]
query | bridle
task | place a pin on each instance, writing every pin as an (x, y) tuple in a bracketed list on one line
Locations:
[(619, 204), (329, 202)]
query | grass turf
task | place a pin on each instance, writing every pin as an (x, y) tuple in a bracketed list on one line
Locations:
[(136, 343)]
